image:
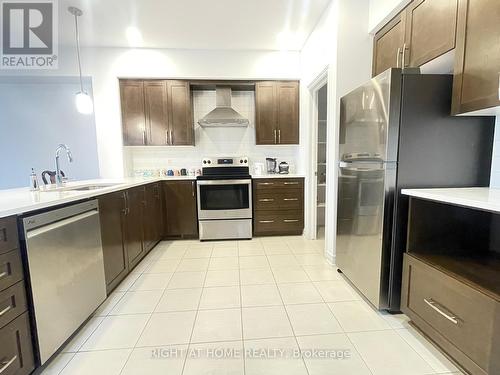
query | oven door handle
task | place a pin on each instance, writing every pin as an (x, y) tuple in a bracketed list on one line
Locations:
[(224, 182)]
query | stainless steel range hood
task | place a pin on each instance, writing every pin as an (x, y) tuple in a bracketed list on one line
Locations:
[(223, 115)]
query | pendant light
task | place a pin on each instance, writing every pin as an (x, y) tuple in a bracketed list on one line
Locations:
[(83, 100)]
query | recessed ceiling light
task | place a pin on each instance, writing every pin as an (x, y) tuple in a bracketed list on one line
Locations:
[(134, 36)]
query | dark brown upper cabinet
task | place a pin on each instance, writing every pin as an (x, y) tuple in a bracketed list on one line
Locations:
[(180, 117), (477, 57), (133, 112), (388, 44), (156, 113), (430, 30), (424, 30), (277, 112), (155, 99), (180, 218)]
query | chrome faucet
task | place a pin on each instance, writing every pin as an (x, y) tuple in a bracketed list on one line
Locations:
[(59, 178)]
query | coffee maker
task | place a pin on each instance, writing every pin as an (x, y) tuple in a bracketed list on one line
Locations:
[(271, 165)]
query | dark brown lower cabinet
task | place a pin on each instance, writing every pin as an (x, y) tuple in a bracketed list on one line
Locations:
[(153, 216), (16, 350), (112, 208), (134, 219), (278, 206), (181, 219)]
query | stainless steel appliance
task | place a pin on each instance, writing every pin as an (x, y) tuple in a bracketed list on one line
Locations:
[(66, 269), (225, 199), (395, 133), (271, 165)]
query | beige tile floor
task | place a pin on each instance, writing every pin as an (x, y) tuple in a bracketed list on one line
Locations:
[(244, 307)]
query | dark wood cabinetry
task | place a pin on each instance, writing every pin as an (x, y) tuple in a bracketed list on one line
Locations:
[(16, 347), (477, 59), (423, 31), (181, 219), (153, 216), (277, 112), (112, 208), (133, 112), (388, 44), (134, 235), (156, 113), (278, 206)]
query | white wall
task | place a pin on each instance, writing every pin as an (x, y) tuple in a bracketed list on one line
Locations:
[(341, 44), (382, 11), (106, 65)]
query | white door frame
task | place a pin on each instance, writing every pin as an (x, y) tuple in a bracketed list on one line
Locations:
[(312, 187)]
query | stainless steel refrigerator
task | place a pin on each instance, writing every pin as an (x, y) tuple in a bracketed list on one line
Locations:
[(396, 132)]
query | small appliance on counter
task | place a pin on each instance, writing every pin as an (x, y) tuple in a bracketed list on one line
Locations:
[(284, 168), (271, 165)]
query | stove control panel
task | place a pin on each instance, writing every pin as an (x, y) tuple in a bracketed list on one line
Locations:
[(241, 161)]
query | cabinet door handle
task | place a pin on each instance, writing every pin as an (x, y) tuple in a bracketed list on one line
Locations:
[(192, 188), (6, 364), (441, 310), (3, 274), (266, 221), (403, 62), (144, 137), (266, 183), (171, 137), (274, 136), (279, 136), (290, 199), (166, 137), (266, 200), (398, 55), (4, 311), (290, 183), (291, 221)]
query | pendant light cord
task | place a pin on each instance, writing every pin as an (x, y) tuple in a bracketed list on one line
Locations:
[(77, 35)]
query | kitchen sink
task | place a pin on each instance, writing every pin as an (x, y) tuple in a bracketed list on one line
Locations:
[(88, 187)]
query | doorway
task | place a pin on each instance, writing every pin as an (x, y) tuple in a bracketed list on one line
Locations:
[(321, 160)]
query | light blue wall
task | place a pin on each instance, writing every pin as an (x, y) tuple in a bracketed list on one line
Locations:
[(36, 114)]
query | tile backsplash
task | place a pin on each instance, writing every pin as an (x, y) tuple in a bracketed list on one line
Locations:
[(223, 141)]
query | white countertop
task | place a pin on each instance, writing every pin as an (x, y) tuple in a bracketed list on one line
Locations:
[(487, 199), (277, 175), (20, 201)]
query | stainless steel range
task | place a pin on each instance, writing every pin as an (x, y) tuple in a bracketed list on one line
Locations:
[(225, 199)]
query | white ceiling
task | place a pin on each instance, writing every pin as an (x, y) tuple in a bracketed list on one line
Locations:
[(193, 24)]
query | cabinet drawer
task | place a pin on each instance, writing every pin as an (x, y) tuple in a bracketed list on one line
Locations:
[(11, 269), (16, 350), (8, 234), (278, 183), (281, 222), (12, 303), (287, 199), (462, 315)]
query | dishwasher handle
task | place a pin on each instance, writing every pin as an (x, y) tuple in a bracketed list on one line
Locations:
[(58, 224)]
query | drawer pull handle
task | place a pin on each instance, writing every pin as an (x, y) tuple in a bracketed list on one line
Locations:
[(291, 221), (266, 200), (291, 199), (266, 183), (3, 274), (6, 364), (4, 311), (266, 221), (290, 183), (441, 310)]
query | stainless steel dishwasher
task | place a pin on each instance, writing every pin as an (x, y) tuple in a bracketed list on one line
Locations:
[(66, 271)]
